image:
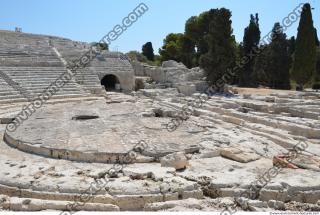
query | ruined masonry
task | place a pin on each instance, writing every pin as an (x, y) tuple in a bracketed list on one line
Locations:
[(227, 146), (34, 61)]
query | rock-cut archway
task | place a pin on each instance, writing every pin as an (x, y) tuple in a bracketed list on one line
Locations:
[(110, 82)]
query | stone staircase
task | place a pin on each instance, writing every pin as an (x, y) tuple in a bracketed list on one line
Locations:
[(9, 94), (34, 80), (68, 51), (18, 55), (105, 63), (29, 64)]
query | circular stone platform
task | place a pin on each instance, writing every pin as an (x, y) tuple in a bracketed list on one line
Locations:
[(93, 131)]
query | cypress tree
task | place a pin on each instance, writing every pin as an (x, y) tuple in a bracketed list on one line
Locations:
[(316, 37), (292, 45), (304, 64), (147, 50), (250, 41), (261, 66), (180, 48), (316, 83), (279, 60), (291, 49), (221, 54)]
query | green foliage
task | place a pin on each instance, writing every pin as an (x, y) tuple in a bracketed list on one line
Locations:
[(179, 48), (157, 60), (208, 42), (187, 51), (102, 46), (272, 65), (170, 48), (316, 37), (316, 82), (221, 54), (137, 56), (304, 63), (261, 66), (197, 28), (291, 50), (292, 45), (192, 30), (279, 59), (147, 50), (248, 78)]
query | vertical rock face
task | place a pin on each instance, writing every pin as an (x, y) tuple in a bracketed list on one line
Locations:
[(173, 74), (30, 63), (170, 71)]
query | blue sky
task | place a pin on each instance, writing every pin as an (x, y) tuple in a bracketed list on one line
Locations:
[(90, 20)]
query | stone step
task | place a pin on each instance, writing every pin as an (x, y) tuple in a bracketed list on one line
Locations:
[(27, 51), (62, 96), (8, 92), (8, 101), (36, 79), (92, 86), (40, 89), (96, 82), (28, 68), (50, 79), (90, 77), (34, 59), (8, 88), (2, 97), (60, 92), (42, 64), (32, 204), (29, 62), (21, 68), (301, 130), (89, 73), (28, 73), (35, 73), (43, 83), (35, 56), (35, 94), (4, 85)]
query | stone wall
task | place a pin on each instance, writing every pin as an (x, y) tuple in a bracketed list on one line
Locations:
[(33, 62), (187, 81)]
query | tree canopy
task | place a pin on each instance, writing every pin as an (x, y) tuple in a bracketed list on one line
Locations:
[(304, 63), (178, 47), (147, 50), (279, 60), (221, 53), (208, 42), (247, 77)]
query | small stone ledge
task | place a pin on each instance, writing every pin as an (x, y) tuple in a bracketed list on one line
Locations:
[(72, 155)]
